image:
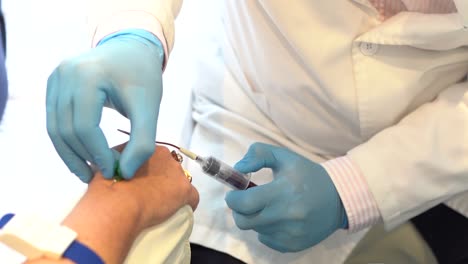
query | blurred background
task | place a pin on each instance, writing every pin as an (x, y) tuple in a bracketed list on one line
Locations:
[(40, 34)]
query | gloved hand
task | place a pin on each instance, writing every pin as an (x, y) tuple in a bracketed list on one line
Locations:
[(123, 72), (295, 211)]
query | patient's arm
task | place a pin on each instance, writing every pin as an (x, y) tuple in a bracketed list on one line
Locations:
[(109, 218)]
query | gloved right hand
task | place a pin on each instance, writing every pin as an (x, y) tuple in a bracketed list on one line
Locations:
[(297, 210), (123, 72)]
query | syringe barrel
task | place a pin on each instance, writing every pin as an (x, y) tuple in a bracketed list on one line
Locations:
[(224, 173)]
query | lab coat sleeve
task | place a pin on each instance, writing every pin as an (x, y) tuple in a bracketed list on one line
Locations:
[(157, 16), (419, 162)]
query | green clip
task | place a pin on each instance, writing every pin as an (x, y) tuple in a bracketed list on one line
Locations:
[(117, 172)]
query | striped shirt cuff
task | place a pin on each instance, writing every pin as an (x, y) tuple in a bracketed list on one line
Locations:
[(128, 20), (358, 201)]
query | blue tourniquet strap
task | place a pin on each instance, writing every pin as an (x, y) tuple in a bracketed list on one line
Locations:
[(76, 252), (4, 220), (81, 254)]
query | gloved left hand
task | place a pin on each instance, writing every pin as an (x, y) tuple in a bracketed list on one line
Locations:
[(297, 210), (123, 72)]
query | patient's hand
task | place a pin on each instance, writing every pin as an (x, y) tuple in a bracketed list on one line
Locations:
[(160, 187), (108, 218)]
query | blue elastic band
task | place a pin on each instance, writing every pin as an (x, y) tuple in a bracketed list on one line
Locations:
[(81, 254), (76, 252), (5, 219)]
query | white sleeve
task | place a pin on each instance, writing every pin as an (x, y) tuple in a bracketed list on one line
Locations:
[(157, 16), (420, 162)]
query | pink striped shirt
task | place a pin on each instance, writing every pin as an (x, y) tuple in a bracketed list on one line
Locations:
[(388, 8), (358, 201)]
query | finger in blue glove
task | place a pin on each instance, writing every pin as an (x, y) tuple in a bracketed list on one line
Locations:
[(297, 210), (124, 73)]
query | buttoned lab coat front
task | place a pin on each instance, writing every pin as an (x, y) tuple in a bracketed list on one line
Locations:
[(325, 79)]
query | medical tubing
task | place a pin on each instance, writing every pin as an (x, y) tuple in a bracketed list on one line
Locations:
[(157, 142), (215, 168)]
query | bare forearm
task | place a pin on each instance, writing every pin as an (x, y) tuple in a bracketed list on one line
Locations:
[(110, 217), (105, 223)]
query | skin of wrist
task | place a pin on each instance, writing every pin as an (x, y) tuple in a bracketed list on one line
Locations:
[(120, 197), (107, 219)]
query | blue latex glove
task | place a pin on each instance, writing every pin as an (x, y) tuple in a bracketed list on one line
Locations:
[(297, 210), (124, 73)]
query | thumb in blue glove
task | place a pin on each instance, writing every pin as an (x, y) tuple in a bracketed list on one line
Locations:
[(295, 211), (124, 73)]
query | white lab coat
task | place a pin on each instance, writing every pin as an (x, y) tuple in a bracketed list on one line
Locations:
[(327, 79)]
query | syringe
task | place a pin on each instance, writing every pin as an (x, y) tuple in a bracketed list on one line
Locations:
[(215, 168), (221, 171)]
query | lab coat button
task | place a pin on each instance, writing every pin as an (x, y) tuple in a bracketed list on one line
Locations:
[(369, 49)]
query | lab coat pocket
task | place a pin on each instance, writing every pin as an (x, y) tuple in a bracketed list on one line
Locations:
[(435, 32)]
